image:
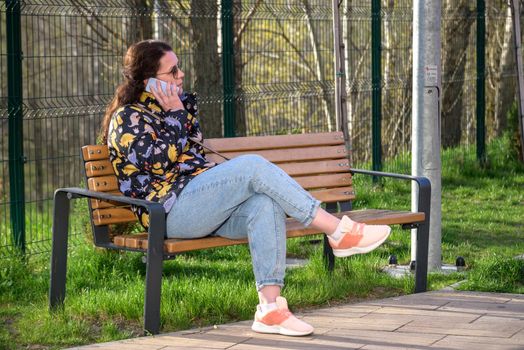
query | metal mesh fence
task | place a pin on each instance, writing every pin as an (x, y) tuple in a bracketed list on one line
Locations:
[(397, 62), (284, 68), (282, 81)]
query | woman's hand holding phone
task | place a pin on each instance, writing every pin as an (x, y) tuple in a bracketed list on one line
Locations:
[(168, 99)]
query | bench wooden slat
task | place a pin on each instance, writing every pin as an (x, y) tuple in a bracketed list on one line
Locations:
[(305, 168), (290, 155), (99, 168), (104, 167), (109, 183), (293, 229), (379, 217), (324, 181), (130, 241), (330, 195), (315, 167), (113, 216), (95, 152), (99, 204), (106, 183), (275, 141)]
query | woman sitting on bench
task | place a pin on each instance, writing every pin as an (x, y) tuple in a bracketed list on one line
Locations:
[(153, 139)]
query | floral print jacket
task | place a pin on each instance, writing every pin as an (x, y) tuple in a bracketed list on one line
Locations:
[(154, 156)]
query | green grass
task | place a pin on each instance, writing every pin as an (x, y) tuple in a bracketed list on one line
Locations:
[(482, 215)]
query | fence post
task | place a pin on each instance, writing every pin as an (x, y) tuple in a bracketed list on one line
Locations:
[(15, 115), (376, 82), (481, 79), (228, 68)]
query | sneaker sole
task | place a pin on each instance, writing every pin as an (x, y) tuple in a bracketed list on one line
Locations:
[(341, 253), (259, 327)]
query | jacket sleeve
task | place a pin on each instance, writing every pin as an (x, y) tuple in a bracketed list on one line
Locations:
[(149, 143)]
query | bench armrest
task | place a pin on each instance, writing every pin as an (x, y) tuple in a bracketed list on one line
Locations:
[(423, 205), (76, 192), (424, 187), (157, 214)]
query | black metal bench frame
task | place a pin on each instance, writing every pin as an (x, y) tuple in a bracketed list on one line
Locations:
[(155, 250)]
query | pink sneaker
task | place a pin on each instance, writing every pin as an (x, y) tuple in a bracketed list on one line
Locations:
[(358, 238), (280, 321)]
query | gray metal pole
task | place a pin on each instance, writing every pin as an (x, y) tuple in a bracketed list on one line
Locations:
[(515, 12), (426, 117)]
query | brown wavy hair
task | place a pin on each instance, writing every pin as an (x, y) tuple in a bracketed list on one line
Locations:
[(141, 62)]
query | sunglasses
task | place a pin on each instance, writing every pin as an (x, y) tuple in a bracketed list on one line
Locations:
[(173, 71)]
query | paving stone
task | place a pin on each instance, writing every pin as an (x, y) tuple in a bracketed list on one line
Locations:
[(484, 326), (472, 296), (201, 339), (476, 343), (393, 310), (128, 344), (507, 309), (386, 324), (413, 301), (294, 343), (388, 347), (191, 347), (338, 316), (352, 310), (481, 330), (435, 319), (502, 322), (120, 346), (384, 338), (518, 337)]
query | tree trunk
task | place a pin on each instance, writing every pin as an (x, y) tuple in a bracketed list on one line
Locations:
[(505, 78), (206, 66), (139, 27), (357, 42), (346, 39), (316, 29), (456, 29)]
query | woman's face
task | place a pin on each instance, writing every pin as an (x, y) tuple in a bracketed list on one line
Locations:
[(169, 70)]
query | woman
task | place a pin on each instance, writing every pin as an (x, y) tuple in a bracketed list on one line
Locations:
[(151, 139)]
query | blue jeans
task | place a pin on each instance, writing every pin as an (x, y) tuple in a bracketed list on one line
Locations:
[(247, 196)]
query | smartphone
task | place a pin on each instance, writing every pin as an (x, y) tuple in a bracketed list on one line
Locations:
[(163, 85)]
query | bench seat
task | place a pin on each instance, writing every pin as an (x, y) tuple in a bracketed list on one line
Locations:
[(293, 228)]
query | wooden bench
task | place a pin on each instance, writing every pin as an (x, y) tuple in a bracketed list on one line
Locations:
[(318, 162)]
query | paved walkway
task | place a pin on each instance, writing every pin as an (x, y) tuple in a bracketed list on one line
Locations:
[(433, 320)]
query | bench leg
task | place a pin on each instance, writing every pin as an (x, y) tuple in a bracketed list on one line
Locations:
[(329, 258), (59, 250), (155, 257), (153, 294), (346, 206), (421, 267)]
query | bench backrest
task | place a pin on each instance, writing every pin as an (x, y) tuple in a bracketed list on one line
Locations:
[(318, 162)]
